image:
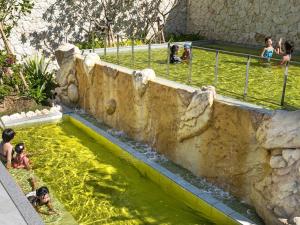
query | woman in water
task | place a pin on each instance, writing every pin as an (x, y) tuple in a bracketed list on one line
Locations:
[(268, 50)]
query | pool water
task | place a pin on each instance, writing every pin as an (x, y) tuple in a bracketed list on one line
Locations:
[(96, 186), (265, 79)]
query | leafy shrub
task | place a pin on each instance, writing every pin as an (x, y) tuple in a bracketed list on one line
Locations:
[(40, 80), (4, 91)]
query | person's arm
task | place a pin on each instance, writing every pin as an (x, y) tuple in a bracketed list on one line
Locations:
[(51, 209), (27, 163), (278, 49), (263, 52), (8, 158)]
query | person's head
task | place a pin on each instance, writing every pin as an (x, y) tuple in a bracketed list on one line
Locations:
[(19, 148), (268, 41), (174, 49), (8, 134), (187, 46), (289, 47), (43, 194)]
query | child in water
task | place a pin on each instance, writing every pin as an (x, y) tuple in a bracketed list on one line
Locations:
[(186, 55), (6, 148), (173, 56), (268, 50), (21, 160), (287, 53), (40, 197)]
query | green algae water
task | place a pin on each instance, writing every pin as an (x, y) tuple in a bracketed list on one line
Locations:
[(96, 186), (265, 79)]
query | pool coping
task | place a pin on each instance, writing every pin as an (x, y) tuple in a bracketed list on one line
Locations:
[(28, 213), (209, 199)]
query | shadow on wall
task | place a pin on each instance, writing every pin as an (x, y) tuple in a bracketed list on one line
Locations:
[(61, 24), (176, 22)]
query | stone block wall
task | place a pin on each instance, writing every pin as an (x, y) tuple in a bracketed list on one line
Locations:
[(245, 21), (253, 154)]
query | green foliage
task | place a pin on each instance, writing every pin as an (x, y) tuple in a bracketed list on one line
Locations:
[(4, 91), (184, 37), (39, 79)]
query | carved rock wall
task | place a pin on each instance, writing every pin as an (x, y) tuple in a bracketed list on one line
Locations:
[(253, 154)]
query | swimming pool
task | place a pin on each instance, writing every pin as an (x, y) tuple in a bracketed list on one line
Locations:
[(97, 187), (265, 79)]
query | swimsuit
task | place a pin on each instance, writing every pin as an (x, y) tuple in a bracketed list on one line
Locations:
[(268, 54), (34, 200), (20, 162)]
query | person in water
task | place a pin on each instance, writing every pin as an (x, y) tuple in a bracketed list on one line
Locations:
[(40, 197), (186, 55), (268, 50), (286, 53), (173, 56), (6, 148), (21, 160)]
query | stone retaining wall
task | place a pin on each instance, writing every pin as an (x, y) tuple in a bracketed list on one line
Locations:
[(245, 21), (253, 154)]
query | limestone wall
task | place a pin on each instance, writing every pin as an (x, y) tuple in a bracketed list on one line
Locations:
[(245, 21), (253, 154)]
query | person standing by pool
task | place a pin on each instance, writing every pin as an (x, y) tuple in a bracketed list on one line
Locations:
[(287, 53), (6, 148), (268, 50)]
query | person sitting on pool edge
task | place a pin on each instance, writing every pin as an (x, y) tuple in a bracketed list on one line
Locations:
[(268, 50), (21, 160), (173, 56), (6, 148), (186, 55), (40, 197)]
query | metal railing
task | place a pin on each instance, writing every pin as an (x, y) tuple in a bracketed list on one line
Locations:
[(148, 47)]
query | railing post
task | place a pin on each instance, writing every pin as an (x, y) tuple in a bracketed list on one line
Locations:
[(132, 52), (247, 77), (93, 41), (118, 49), (216, 68), (149, 54), (286, 73), (105, 38), (190, 66), (168, 59)]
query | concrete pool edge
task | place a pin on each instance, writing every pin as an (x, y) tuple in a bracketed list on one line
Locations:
[(214, 206), (28, 213)]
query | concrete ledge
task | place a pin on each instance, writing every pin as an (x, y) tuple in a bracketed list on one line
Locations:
[(18, 198), (216, 205), (51, 117)]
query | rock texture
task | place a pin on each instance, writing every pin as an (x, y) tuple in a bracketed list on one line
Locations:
[(67, 92), (279, 190), (253, 154)]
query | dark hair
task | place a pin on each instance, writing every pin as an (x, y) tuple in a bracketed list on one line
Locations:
[(289, 47), (267, 38), (42, 191), (174, 49), (19, 148), (8, 134)]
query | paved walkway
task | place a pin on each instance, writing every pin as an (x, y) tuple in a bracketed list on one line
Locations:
[(9, 214)]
